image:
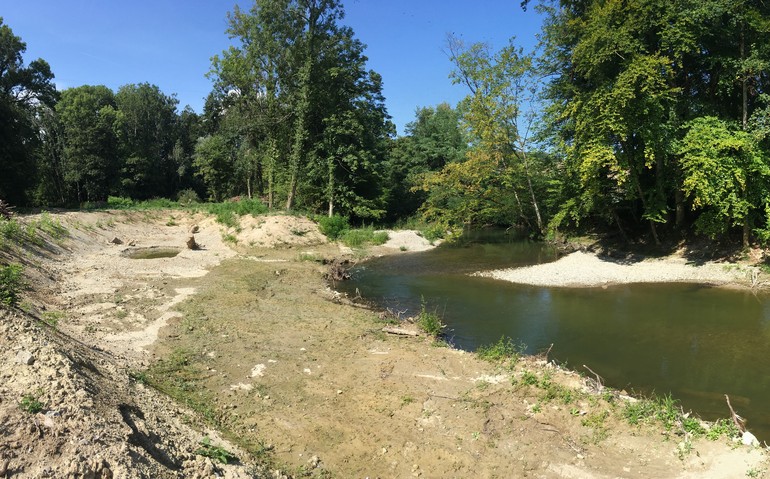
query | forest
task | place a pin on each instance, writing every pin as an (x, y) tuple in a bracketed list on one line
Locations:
[(648, 120)]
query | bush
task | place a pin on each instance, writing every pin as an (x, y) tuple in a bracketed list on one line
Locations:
[(188, 197), (119, 203), (11, 284), (333, 226)]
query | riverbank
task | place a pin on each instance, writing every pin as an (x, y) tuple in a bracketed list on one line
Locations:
[(581, 269), (255, 347)]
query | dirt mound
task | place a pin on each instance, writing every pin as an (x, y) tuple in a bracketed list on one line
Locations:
[(271, 231)]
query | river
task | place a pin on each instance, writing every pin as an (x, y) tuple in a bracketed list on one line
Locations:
[(694, 342)]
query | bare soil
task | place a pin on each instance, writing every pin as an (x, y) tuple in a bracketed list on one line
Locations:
[(298, 380)]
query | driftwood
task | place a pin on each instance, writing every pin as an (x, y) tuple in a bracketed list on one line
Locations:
[(5, 210), (337, 270), (400, 331), (599, 384)]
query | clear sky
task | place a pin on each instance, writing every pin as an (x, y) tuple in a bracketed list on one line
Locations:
[(169, 43)]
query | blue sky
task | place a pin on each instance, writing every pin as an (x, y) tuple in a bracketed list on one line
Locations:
[(170, 43)]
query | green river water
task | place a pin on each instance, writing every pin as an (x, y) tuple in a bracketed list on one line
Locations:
[(694, 342)]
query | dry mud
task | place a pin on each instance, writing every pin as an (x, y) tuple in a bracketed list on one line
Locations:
[(284, 365)]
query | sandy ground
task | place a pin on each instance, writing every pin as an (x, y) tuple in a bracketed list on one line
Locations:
[(284, 364), (581, 269)]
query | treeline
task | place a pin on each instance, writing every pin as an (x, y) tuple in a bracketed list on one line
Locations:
[(647, 118)]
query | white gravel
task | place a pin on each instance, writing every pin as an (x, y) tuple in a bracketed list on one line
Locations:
[(586, 269)]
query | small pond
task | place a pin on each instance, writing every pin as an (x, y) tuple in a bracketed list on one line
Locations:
[(694, 342), (151, 252)]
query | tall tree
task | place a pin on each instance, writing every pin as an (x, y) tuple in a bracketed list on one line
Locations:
[(144, 126), (299, 84), (22, 88), (88, 114)]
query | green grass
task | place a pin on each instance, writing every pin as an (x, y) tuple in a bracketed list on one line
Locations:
[(360, 237), (333, 227), (501, 351)]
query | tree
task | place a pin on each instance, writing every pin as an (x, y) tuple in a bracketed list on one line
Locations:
[(501, 87), (22, 89), (298, 83), (144, 127), (88, 115)]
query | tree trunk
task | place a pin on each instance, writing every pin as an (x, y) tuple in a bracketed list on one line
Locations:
[(532, 194), (746, 233)]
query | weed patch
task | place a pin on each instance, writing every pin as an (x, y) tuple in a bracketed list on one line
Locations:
[(11, 284), (430, 322)]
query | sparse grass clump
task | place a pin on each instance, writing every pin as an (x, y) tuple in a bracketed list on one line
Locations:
[(216, 453), (227, 212), (30, 404)]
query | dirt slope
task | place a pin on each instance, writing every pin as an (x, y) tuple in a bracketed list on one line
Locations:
[(281, 363)]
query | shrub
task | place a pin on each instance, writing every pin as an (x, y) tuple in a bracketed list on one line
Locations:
[(333, 226), (11, 284), (188, 197), (356, 238), (119, 203)]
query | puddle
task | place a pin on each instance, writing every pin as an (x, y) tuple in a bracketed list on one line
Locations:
[(152, 252)]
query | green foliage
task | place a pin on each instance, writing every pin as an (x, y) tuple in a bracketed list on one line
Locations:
[(725, 173), (11, 284), (31, 404), (503, 350), (216, 453), (722, 428), (24, 91), (188, 197), (333, 226), (430, 322)]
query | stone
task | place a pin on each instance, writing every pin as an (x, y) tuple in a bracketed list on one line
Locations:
[(25, 357), (749, 439), (116, 240)]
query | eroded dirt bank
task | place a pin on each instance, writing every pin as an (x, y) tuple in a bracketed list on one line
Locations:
[(251, 337)]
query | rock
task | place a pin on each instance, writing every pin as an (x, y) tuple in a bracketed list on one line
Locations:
[(116, 240), (314, 462), (749, 439), (194, 229), (191, 243), (25, 357)]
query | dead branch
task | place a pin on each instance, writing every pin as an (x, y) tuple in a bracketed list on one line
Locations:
[(740, 423), (599, 384)]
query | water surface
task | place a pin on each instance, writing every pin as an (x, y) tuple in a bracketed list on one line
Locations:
[(694, 342)]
